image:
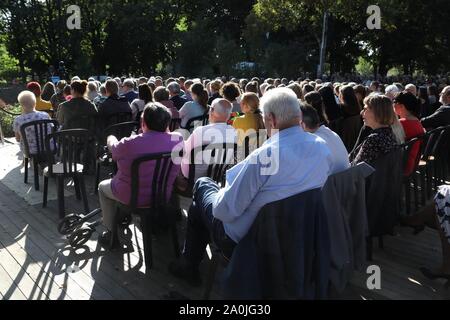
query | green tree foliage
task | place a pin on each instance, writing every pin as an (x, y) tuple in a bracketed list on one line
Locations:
[(209, 37)]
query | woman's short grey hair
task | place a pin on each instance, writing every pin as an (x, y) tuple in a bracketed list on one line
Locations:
[(103, 90), (174, 88), (282, 103), (92, 86), (27, 100), (391, 90)]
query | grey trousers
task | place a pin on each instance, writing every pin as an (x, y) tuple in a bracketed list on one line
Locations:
[(108, 204)]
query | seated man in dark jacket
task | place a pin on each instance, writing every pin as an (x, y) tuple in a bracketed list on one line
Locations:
[(268, 174), (113, 103), (442, 115)]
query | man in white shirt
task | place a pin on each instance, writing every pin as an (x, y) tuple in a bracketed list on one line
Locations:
[(217, 132), (290, 162), (339, 155)]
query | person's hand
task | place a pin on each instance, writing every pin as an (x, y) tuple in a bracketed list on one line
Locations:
[(2, 104)]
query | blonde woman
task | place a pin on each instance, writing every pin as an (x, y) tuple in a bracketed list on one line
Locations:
[(251, 122)]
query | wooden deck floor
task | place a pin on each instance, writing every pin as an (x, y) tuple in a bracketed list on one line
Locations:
[(36, 262)]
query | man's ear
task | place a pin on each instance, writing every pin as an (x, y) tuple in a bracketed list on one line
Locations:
[(273, 119)]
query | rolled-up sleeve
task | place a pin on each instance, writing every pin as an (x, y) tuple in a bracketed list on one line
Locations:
[(243, 184)]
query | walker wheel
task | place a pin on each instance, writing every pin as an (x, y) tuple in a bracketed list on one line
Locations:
[(80, 236), (68, 224)]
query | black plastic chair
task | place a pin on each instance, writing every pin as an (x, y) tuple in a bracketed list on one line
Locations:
[(427, 161), (67, 161), (383, 195), (441, 154), (192, 123), (116, 118), (159, 200), (39, 130), (217, 166), (120, 130), (412, 176), (174, 124)]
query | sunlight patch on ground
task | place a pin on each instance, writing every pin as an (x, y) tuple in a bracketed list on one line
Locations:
[(12, 175)]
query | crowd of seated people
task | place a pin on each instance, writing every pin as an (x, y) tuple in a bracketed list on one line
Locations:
[(341, 123)]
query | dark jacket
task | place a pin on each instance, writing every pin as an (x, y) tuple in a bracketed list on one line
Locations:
[(113, 105), (178, 101), (348, 128), (70, 111), (438, 119), (285, 254), (345, 204), (130, 96), (383, 192)]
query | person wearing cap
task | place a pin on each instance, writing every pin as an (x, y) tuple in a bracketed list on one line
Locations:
[(41, 105)]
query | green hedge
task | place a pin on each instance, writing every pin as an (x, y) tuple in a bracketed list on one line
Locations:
[(7, 120)]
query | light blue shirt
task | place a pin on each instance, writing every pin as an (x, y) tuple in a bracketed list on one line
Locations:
[(290, 162), (339, 153)]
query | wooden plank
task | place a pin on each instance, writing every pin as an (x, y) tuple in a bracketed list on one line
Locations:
[(21, 278), (36, 234), (123, 294), (34, 268), (8, 289), (36, 253)]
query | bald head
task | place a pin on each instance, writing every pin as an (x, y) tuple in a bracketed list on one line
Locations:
[(220, 110), (411, 88), (445, 96)]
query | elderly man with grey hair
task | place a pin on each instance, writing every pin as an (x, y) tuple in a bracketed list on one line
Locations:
[(175, 91), (391, 91), (290, 162), (217, 131), (411, 88)]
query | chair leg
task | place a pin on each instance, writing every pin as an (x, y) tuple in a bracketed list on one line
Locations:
[(76, 184), (147, 240), (211, 276), (97, 177), (423, 187), (82, 187), (408, 196), (61, 197), (416, 192), (25, 178), (44, 203), (36, 174)]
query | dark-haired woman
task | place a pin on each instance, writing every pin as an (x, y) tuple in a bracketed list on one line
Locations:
[(407, 107), (315, 100), (332, 110), (351, 123), (144, 96), (197, 107), (78, 106)]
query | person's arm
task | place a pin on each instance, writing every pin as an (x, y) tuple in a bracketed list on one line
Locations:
[(432, 121), (238, 194), (111, 142)]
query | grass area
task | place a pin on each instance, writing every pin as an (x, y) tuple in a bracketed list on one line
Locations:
[(7, 120)]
